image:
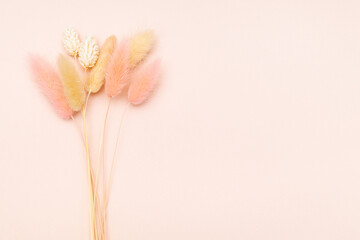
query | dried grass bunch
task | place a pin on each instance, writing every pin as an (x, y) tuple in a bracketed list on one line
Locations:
[(114, 65)]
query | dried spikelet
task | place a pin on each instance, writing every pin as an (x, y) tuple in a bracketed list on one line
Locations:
[(50, 84), (143, 82), (117, 76), (88, 52), (71, 42), (140, 45), (73, 86), (97, 75)]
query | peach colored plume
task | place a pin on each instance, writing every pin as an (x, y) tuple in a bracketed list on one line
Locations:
[(143, 83), (117, 76), (50, 84)]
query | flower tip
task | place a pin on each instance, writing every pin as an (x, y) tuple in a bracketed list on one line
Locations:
[(117, 76), (143, 83), (88, 52), (71, 41)]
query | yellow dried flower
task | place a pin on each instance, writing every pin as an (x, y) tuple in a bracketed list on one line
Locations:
[(73, 86), (97, 75), (140, 45)]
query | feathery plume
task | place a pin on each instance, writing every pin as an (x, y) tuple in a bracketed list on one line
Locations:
[(140, 45), (117, 76), (143, 83), (97, 75), (73, 86), (50, 85), (88, 52), (71, 42)]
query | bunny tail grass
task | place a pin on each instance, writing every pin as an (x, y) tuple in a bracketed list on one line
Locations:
[(117, 76), (140, 45), (50, 85), (71, 42), (73, 86), (97, 75), (88, 52), (143, 83)]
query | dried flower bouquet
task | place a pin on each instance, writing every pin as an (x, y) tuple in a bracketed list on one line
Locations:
[(114, 65)]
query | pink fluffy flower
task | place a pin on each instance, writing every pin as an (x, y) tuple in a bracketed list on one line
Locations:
[(143, 83), (50, 85), (117, 76)]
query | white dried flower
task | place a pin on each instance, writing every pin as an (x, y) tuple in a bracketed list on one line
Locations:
[(88, 52), (71, 42)]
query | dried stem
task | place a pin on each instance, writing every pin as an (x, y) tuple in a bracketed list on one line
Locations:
[(114, 155), (102, 160), (91, 192), (79, 129)]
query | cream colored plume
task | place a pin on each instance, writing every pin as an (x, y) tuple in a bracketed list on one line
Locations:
[(97, 75), (140, 45), (88, 52), (71, 42), (73, 86)]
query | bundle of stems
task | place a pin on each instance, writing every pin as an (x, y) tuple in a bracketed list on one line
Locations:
[(114, 65)]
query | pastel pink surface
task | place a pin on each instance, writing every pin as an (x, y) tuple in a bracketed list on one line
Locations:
[(253, 133)]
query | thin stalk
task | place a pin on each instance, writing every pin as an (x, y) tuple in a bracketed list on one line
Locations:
[(114, 155), (98, 217), (79, 129), (101, 153), (91, 190), (91, 194)]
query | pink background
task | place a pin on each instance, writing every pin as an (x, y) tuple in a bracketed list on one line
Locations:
[(254, 132)]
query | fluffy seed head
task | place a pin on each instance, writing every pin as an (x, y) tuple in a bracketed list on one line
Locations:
[(73, 86), (117, 76), (88, 52), (71, 42), (143, 83), (140, 45), (50, 85), (97, 75)]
